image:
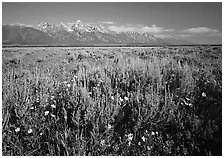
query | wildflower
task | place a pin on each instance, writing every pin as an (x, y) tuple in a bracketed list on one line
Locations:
[(121, 99), (32, 108), (130, 137), (153, 133), (109, 127), (143, 139), (46, 113), (52, 115), (53, 106), (41, 133), (30, 131), (102, 142), (74, 78), (203, 94), (157, 133), (126, 98), (149, 148), (139, 143), (129, 143), (65, 82), (112, 98), (68, 85), (188, 104), (17, 129), (52, 97)]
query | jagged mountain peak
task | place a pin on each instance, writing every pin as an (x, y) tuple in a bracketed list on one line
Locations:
[(82, 33), (87, 27), (78, 23), (132, 33), (44, 24)]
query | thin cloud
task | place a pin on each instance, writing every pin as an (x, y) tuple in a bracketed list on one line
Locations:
[(169, 30), (164, 36), (107, 22), (201, 30), (122, 28), (139, 28), (215, 34), (184, 35)]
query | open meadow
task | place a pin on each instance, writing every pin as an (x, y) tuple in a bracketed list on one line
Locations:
[(112, 101)]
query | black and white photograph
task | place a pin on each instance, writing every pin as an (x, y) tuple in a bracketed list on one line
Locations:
[(111, 78)]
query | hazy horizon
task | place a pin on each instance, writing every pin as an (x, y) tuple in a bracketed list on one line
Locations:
[(197, 22)]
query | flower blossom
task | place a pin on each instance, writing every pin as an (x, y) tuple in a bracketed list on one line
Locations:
[(17, 129), (130, 137), (143, 139), (46, 113), (53, 106), (203, 94), (30, 131), (126, 98)]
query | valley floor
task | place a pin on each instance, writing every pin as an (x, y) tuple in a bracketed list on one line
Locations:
[(112, 101)]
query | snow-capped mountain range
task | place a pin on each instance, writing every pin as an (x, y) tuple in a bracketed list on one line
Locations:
[(76, 33)]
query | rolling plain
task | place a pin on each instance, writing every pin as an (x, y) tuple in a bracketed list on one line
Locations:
[(112, 100)]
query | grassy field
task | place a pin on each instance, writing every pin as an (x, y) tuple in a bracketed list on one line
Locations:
[(112, 101)]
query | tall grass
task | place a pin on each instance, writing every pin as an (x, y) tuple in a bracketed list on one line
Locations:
[(155, 102)]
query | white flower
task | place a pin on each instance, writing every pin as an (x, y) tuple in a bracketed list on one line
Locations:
[(190, 104), (52, 97), (32, 108), (68, 85), (17, 129), (121, 99), (112, 97), (126, 98), (109, 127), (53, 106), (157, 133), (143, 139), (65, 82), (149, 148), (102, 142), (46, 113), (139, 143), (130, 137), (52, 115), (203, 94), (153, 133), (30, 131), (41, 133), (74, 78), (129, 143)]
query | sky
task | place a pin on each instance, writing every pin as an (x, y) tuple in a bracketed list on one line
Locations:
[(197, 22)]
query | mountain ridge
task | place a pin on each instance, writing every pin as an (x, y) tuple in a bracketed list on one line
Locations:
[(77, 33)]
